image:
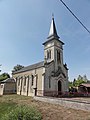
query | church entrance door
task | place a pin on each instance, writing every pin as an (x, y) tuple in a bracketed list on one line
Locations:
[(35, 91), (59, 87)]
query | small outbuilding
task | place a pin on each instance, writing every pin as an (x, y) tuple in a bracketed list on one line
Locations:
[(8, 86), (84, 88)]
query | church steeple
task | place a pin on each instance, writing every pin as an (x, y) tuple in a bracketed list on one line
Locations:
[(53, 47), (53, 31)]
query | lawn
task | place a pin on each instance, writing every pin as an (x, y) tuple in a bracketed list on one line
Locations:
[(6, 107), (11, 108), (48, 111)]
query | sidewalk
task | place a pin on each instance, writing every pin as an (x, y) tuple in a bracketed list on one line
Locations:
[(75, 103)]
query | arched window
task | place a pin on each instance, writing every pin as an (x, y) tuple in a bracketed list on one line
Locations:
[(32, 80), (59, 87), (48, 54), (58, 56), (25, 81)]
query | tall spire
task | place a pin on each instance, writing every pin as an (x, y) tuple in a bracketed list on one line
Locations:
[(53, 31)]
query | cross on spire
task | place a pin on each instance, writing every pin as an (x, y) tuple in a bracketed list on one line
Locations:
[(52, 16)]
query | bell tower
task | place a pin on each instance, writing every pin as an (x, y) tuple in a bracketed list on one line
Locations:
[(53, 47)]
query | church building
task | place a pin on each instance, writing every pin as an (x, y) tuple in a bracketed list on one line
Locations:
[(48, 77)]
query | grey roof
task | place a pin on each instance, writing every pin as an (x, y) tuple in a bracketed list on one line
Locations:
[(30, 67), (8, 80), (53, 30), (85, 84), (52, 33)]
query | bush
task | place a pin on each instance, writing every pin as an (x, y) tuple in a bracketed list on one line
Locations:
[(23, 113)]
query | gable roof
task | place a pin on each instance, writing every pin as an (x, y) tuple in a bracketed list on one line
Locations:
[(30, 67), (8, 80)]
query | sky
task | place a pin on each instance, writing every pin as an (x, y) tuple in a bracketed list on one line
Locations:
[(25, 24)]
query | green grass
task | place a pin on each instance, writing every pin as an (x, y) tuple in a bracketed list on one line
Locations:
[(11, 106), (23, 112), (6, 107)]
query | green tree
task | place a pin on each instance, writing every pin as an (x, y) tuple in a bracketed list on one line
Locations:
[(0, 69), (79, 77), (85, 78), (70, 84), (4, 76), (17, 67), (74, 82), (79, 80)]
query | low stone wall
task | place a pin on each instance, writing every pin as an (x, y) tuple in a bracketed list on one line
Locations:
[(66, 103)]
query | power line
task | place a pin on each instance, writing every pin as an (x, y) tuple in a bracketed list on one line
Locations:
[(75, 16)]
